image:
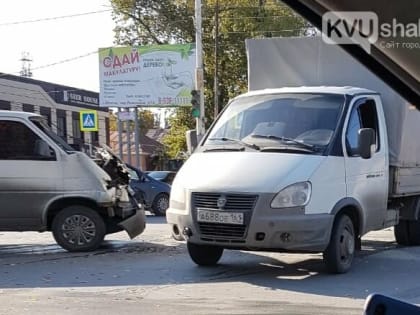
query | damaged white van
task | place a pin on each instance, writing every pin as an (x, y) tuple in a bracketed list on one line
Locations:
[(45, 185)]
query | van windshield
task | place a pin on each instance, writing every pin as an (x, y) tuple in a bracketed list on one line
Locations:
[(304, 121), (39, 123)]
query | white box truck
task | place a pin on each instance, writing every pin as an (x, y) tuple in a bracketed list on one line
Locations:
[(318, 153)]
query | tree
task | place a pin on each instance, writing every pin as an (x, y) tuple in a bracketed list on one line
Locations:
[(113, 124), (179, 122), (143, 22), (146, 121)]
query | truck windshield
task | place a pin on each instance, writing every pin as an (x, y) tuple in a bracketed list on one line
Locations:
[(39, 123), (279, 121)]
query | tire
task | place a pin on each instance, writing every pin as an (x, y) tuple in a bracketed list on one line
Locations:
[(160, 204), (78, 229), (407, 233), (339, 254), (204, 255), (177, 237), (401, 233)]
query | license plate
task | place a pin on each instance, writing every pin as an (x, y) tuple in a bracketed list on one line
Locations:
[(213, 216)]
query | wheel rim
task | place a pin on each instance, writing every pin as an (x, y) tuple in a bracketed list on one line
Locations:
[(347, 244), (78, 230), (162, 204)]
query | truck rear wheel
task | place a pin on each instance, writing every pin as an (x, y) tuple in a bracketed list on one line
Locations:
[(339, 254), (78, 229), (407, 232), (204, 255)]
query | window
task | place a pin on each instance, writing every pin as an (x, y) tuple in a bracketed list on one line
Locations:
[(46, 113), (133, 174), (94, 138), (18, 142), (363, 115), (4, 105), (76, 129), (28, 108), (61, 124), (353, 131)]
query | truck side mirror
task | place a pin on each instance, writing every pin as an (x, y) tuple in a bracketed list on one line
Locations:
[(366, 140)]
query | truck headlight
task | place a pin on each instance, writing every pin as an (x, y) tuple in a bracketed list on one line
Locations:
[(177, 197), (295, 195)]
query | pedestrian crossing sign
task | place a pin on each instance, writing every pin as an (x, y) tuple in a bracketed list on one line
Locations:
[(88, 120)]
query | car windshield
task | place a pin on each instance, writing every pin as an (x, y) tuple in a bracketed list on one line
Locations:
[(39, 123), (299, 121), (157, 175)]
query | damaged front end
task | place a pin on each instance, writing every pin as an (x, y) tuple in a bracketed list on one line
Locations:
[(125, 213)]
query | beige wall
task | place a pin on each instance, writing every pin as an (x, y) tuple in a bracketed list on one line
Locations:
[(144, 161)]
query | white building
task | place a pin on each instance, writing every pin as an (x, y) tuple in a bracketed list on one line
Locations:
[(59, 104)]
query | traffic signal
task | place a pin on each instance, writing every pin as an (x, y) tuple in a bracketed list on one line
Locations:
[(195, 103)]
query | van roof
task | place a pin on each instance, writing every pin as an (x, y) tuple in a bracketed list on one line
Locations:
[(11, 113), (343, 90)]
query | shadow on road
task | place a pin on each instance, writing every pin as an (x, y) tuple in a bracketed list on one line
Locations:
[(137, 263)]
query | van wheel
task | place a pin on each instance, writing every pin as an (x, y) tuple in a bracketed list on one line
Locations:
[(407, 232), (160, 204), (204, 255), (339, 254), (78, 229)]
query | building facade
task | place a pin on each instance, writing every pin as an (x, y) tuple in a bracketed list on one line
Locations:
[(59, 104)]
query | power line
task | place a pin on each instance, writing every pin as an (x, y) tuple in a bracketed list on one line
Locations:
[(54, 18), (58, 62), (65, 60)]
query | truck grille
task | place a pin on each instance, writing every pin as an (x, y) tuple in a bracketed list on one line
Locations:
[(220, 231), (233, 201)]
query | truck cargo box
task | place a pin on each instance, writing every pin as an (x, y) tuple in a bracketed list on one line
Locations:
[(285, 62)]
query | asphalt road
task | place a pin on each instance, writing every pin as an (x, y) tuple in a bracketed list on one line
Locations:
[(153, 274)]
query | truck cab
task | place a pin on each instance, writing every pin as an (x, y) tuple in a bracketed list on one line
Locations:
[(300, 169)]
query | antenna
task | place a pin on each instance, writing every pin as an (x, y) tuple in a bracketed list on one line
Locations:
[(26, 65)]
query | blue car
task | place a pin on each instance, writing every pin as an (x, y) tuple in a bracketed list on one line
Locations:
[(153, 194)]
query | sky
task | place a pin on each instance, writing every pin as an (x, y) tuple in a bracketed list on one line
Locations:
[(53, 41)]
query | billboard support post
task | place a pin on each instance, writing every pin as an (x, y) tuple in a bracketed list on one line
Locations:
[(199, 73), (120, 144), (136, 135)]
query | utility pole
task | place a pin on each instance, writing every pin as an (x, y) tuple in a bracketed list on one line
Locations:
[(216, 66), (26, 65), (199, 73)]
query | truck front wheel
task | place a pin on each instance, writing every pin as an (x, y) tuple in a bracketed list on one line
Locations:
[(407, 232), (78, 229), (339, 254), (204, 255)]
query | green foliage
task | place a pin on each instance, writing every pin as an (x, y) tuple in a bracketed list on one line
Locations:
[(113, 125), (146, 120), (144, 22), (179, 122)]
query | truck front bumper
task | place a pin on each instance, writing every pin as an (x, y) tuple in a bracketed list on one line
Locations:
[(265, 229), (135, 224)]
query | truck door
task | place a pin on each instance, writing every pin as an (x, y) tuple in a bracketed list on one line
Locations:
[(367, 179), (29, 176)]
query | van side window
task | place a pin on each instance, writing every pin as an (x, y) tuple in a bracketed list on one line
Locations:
[(18, 142), (363, 115)]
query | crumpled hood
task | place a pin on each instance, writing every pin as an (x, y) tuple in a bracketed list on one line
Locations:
[(256, 172)]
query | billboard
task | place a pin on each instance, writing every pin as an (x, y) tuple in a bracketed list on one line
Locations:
[(154, 76)]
